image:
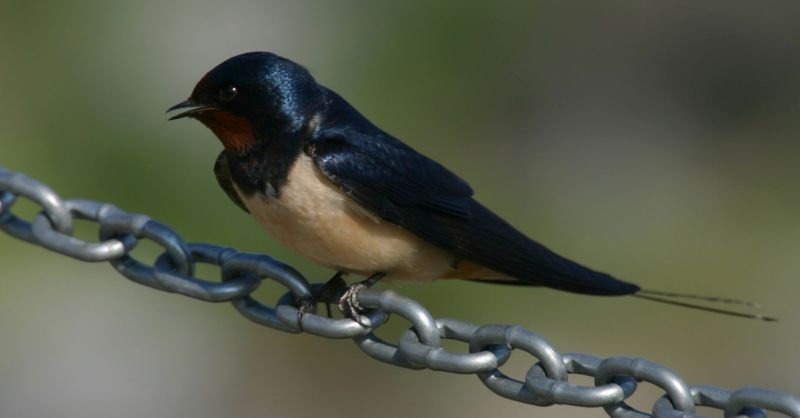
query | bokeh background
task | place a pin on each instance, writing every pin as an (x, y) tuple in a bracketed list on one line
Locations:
[(656, 141)]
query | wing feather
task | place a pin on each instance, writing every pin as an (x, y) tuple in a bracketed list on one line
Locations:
[(404, 187)]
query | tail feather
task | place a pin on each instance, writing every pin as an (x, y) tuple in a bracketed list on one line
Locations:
[(668, 298)]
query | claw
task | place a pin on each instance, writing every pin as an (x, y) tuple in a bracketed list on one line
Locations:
[(305, 306), (349, 305)]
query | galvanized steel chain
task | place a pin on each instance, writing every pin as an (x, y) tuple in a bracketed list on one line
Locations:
[(490, 346)]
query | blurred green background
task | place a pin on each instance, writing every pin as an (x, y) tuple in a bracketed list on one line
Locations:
[(655, 141)]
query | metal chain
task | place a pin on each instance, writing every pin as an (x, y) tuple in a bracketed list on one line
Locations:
[(490, 346)]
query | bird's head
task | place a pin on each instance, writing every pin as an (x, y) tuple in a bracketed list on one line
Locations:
[(257, 96)]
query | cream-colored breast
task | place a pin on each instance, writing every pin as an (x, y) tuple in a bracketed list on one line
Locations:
[(315, 218)]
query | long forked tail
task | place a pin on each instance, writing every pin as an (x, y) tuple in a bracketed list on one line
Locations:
[(669, 298)]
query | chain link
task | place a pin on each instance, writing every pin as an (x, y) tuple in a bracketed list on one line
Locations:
[(419, 347)]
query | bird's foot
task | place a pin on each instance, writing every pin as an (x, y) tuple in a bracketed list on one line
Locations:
[(349, 305), (345, 297), (348, 302), (304, 307)]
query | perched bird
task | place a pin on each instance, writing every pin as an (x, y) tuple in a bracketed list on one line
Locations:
[(327, 183)]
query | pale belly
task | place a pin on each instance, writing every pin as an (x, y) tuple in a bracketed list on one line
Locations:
[(316, 219)]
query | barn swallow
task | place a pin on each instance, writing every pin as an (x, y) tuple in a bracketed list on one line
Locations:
[(326, 182)]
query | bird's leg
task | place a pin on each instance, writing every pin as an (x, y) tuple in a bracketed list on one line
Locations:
[(331, 292), (327, 294), (348, 302), (337, 291)]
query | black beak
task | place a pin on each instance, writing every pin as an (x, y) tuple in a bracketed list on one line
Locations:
[(193, 107)]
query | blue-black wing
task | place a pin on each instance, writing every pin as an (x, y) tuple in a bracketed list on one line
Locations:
[(403, 187)]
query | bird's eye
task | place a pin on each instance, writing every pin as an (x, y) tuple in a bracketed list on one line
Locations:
[(227, 93)]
